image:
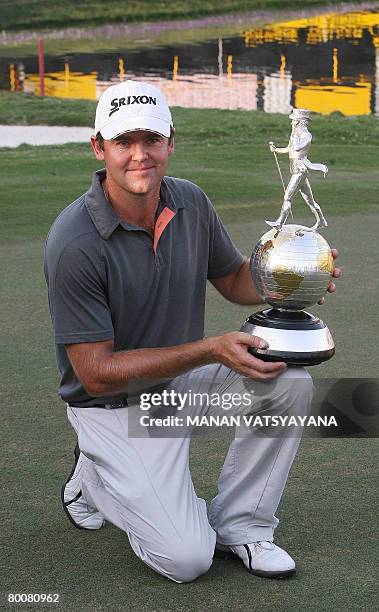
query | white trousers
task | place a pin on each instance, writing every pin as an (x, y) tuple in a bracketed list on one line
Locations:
[(143, 484)]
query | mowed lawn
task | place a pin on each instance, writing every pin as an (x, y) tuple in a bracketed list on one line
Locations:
[(23, 14), (327, 512)]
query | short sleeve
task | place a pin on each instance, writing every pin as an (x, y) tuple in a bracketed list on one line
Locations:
[(78, 298), (224, 257)]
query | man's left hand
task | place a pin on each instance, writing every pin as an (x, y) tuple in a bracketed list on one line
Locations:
[(337, 272)]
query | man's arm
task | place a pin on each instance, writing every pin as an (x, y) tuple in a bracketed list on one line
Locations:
[(275, 149), (103, 371), (238, 287)]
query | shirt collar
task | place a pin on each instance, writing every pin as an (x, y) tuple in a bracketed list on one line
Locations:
[(98, 207), (103, 215)]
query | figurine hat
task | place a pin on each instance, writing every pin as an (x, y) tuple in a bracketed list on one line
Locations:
[(300, 113)]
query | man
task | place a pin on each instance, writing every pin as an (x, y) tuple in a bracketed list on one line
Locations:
[(297, 149), (127, 265)]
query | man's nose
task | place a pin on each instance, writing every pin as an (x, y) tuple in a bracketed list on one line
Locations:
[(139, 152)]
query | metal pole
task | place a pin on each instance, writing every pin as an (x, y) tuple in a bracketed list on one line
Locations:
[(66, 73), (41, 67), (279, 170), (175, 68), (121, 69), (230, 67), (220, 71), (12, 77), (281, 176)]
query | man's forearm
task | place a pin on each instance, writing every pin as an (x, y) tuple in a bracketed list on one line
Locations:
[(282, 149), (238, 287), (112, 371), (104, 371)]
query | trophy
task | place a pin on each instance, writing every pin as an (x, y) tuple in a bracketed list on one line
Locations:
[(291, 267)]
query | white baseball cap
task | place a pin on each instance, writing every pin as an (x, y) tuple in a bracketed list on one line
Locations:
[(300, 113), (132, 105)]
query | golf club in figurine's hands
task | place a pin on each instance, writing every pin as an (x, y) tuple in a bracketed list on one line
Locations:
[(292, 266)]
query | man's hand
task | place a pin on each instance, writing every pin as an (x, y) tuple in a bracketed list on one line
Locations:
[(272, 146), (104, 371), (231, 350), (337, 273)]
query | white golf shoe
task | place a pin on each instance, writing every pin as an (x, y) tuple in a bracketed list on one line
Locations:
[(260, 558), (79, 512)]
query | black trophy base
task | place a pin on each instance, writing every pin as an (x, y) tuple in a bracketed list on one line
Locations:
[(298, 337)]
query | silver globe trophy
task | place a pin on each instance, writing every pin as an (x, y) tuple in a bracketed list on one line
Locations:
[(291, 267)]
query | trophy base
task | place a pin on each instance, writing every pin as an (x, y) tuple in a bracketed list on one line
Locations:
[(296, 337)]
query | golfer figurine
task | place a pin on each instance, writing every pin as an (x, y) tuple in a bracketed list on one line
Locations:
[(297, 148)]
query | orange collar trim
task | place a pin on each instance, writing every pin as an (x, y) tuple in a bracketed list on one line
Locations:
[(162, 222)]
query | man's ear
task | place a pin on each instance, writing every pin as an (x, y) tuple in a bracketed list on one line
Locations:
[(171, 143), (98, 151)]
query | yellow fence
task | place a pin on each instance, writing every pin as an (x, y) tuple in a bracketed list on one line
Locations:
[(64, 84)]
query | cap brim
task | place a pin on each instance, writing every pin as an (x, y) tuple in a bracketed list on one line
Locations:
[(118, 127), (294, 117)]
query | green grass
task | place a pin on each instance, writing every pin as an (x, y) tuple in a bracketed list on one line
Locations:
[(45, 14), (234, 142), (136, 38), (212, 126), (140, 36), (25, 109), (327, 513)]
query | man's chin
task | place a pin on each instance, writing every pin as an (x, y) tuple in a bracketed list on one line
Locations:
[(140, 188)]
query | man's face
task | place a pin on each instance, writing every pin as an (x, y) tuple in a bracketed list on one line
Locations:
[(297, 123), (136, 161)]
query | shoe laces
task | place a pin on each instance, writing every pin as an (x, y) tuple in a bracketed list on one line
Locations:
[(262, 545)]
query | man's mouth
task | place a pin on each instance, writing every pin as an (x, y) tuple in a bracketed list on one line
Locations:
[(140, 169)]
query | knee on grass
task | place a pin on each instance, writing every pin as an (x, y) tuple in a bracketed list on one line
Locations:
[(185, 562)]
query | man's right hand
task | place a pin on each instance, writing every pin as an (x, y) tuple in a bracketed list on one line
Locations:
[(104, 371), (232, 350)]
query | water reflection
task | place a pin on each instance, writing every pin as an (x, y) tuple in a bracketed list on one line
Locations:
[(328, 64), (316, 30), (65, 84)]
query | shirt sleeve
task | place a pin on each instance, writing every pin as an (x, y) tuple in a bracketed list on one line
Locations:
[(224, 257), (78, 299)]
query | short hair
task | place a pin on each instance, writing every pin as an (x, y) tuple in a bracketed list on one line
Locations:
[(100, 139)]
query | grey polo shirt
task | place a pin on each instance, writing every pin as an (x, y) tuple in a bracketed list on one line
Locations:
[(108, 279)]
